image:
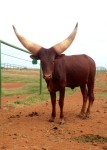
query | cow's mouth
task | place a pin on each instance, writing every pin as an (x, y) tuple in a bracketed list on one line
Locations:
[(47, 77)]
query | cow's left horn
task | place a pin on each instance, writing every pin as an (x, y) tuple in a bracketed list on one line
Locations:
[(32, 47), (62, 46)]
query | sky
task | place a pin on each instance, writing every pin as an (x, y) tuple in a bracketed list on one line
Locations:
[(47, 22)]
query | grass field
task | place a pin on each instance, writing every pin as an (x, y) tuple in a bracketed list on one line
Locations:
[(31, 86), (101, 84)]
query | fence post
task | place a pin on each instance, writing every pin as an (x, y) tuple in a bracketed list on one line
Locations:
[(0, 77)]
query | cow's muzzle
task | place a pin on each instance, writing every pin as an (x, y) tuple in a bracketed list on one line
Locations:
[(47, 77)]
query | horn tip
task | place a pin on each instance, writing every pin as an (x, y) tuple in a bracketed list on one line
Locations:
[(13, 27), (76, 25)]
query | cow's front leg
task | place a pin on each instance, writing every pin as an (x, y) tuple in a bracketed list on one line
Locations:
[(61, 104), (53, 102)]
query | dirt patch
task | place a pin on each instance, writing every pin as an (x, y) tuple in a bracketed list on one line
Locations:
[(32, 114), (12, 85), (102, 77), (27, 128), (100, 89), (90, 138), (6, 100)]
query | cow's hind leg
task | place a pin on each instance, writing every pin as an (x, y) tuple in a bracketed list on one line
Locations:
[(61, 104), (91, 98), (84, 94), (53, 102)]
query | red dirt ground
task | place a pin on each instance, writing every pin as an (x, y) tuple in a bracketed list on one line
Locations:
[(12, 85), (27, 128)]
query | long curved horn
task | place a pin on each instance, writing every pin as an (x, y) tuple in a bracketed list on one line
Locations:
[(32, 47), (62, 46)]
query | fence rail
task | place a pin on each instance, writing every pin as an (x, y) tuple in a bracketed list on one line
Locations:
[(13, 46), (101, 70)]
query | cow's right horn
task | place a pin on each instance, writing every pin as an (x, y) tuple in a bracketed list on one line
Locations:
[(62, 46), (32, 47)]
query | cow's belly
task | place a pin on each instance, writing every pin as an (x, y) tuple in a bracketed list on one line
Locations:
[(72, 83)]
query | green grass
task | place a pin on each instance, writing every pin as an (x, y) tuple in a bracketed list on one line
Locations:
[(39, 98), (19, 77), (100, 82), (101, 94), (30, 84)]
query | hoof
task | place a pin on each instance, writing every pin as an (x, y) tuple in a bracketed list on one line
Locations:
[(61, 122), (82, 116), (87, 115), (51, 120)]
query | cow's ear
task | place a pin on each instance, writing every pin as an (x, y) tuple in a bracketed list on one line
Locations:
[(34, 57), (59, 56)]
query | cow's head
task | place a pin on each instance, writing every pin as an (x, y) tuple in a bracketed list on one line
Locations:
[(47, 56)]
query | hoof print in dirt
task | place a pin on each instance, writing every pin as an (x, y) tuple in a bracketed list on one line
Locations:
[(32, 114)]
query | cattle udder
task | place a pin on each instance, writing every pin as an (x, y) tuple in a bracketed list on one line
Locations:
[(60, 71)]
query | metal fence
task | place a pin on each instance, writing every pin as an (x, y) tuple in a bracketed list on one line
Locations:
[(13, 65), (101, 70), (7, 66)]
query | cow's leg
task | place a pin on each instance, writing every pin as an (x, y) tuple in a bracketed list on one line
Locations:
[(53, 102), (61, 104), (91, 97), (84, 94)]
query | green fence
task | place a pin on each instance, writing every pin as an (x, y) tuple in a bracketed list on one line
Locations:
[(10, 45), (0, 76), (101, 70)]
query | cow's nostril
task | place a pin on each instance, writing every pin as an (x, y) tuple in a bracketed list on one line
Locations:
[(47, 77), (50, 76)]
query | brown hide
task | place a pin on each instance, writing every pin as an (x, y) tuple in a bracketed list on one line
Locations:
[(79, 70), (72, 71)]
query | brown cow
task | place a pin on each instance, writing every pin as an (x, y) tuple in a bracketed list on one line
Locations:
[(60, 71)]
